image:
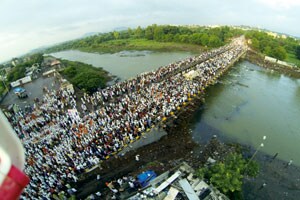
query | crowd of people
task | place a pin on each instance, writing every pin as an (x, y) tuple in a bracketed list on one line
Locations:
[(63, 135)]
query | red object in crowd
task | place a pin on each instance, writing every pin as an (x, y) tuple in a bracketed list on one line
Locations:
[(13, 184)]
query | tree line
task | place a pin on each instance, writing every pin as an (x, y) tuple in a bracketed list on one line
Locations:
[(204, 36), (277, 47), (261, 41)]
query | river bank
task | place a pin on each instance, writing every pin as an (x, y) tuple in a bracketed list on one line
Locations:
[(115, 46), (258, 59), (163, 154), (159, 156), (178, 144), (132, 165), (282, 181)]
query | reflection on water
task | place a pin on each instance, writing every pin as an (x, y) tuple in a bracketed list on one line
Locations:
[(250, 102)]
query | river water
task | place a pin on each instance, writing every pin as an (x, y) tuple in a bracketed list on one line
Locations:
[(249, 102), (125, 64)]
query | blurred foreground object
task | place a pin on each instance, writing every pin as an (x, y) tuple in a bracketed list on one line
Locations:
[(12, 160)]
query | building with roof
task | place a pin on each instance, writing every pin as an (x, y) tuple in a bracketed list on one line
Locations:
[(178, 183)]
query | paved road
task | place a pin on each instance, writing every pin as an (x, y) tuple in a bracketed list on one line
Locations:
[(34, 90)]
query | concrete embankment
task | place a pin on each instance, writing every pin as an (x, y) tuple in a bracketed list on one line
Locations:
[(258, 59)]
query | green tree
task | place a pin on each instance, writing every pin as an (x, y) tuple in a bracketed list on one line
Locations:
[(84, 76), (125, 34), (158, 33), (227, 176), (17, 72), (214, 41), (70, 71), (195, 38), (37, 58), (129, 31), (204, 39), (251, 169), (116, 35), (255, 43), (139, 32), (168, 38), (279, 53), (88, 81), (184, 38), (149, 33), (298, 52), (268, 51)]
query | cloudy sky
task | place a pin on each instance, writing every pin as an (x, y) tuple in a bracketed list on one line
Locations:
[(29, 24)]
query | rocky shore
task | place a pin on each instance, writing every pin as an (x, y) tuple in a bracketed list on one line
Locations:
[(258, 59)]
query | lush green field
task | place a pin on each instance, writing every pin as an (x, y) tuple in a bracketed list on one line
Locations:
[(113, 46), (291, 58)]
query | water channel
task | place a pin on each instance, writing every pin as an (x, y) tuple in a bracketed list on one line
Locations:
[(249, 102)]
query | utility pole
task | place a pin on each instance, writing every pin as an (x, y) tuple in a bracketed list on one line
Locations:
[(258, 148)]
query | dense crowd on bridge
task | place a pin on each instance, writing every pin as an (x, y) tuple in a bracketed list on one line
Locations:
[(61, 142)]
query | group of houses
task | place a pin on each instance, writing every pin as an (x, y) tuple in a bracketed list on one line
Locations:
[(34, 71)]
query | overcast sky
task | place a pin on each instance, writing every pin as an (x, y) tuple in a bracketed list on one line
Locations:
[(29, 24)]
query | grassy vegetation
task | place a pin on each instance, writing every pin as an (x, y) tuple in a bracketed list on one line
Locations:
[(153, 37), (2, 89), (113, 46), (291, 58), (277, 47), (227, 175), (84, 76), (182, 38)]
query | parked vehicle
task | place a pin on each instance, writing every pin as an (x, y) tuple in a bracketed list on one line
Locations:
[(20, 92)]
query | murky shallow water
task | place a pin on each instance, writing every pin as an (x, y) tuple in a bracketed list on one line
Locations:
[(252, 102)]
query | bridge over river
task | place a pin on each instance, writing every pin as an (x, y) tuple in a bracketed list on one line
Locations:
[(122, 113)]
